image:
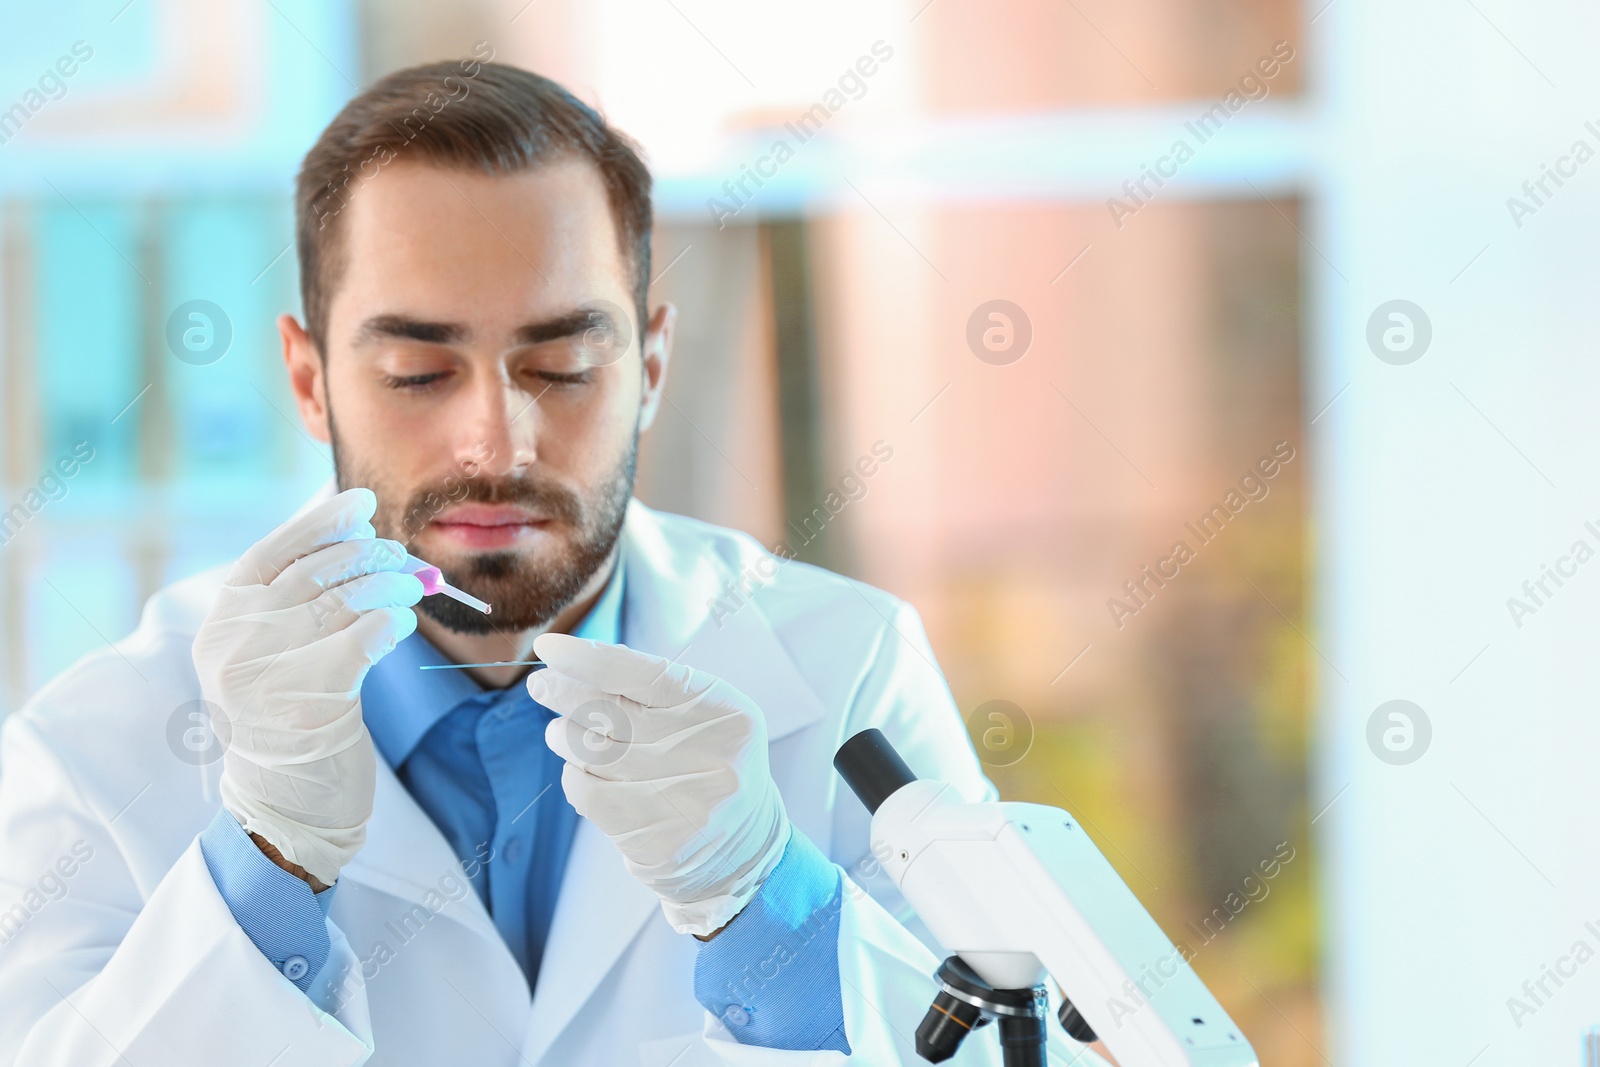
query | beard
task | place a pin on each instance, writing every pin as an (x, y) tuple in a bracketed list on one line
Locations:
[(526, 593)]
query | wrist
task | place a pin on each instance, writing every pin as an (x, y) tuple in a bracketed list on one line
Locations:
[(724, 907), (270, 850)]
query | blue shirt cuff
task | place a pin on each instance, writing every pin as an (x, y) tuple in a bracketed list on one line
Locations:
[(772, 974), (277, 911)]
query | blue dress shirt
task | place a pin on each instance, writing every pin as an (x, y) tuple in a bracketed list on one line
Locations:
[(475, 760)]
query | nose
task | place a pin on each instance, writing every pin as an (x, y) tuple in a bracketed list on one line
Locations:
[(499, 428)]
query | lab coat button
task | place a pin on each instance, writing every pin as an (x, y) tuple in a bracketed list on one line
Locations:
[(735, 1015), (295, 968)]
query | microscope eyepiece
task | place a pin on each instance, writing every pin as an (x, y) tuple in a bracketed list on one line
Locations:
[(871, 768)]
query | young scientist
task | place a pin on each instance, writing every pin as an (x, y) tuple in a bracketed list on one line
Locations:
[(638, 854)]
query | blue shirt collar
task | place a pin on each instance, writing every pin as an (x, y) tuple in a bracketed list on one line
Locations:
[(400, 702)]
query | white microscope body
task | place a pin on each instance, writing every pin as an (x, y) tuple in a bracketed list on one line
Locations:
[(1018, 891)]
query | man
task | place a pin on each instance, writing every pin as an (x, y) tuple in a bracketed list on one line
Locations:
[(370, 861)]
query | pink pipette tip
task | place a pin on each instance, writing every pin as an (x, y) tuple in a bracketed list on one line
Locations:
[(433, 583)]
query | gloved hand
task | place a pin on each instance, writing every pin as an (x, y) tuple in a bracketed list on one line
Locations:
[(300, 619), (671, 764)]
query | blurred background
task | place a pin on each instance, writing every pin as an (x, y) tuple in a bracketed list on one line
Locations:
[(1103, 279)]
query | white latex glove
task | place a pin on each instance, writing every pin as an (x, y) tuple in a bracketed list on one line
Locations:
[(671, 764), (301, 618)]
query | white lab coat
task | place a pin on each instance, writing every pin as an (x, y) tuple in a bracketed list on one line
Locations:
[(134, 958)]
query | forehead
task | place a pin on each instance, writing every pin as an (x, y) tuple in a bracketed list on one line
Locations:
[(425, 239)]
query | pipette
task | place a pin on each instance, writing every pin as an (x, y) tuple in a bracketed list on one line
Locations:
[(433, 582)]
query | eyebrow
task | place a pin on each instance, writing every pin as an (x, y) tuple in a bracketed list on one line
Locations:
[(381, 327), (568, 324)]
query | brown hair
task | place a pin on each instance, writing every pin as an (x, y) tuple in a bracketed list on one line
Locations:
[(461, 115)]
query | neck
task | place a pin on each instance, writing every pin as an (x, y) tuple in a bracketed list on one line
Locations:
[(500, 645)]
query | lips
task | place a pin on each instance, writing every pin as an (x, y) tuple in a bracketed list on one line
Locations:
[(485, 526), (488, 515)]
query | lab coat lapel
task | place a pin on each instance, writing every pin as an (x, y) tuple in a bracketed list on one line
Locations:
[(599, 912), (406, 856), (671, 584)]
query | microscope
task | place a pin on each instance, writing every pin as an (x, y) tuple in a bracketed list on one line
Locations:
[(1018, 891)]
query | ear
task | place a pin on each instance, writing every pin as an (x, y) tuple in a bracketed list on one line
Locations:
[(657, 351), (307, 376)]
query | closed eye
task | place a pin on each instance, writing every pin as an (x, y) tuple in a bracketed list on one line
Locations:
[(557, 378), (412, 381)]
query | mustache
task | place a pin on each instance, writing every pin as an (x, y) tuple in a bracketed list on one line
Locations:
[(537, 494)]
